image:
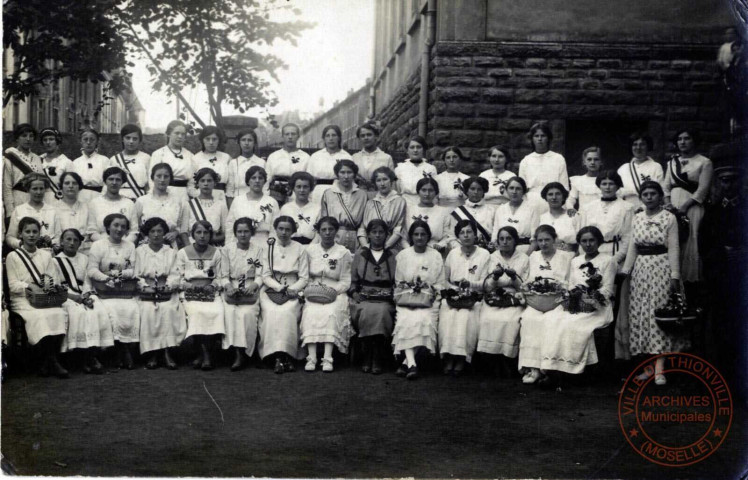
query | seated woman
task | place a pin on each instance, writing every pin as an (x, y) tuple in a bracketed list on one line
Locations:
[(568, 343), (243, 263), (372, 310), (476, 210), (70, 211), (327, 323), (386, 205), (201, 275), (450, 180), (49, 234), (256, 204), (304, 212), (167, 204), (111, 202), (44, 326), (89, 321), (286, 273), (498, 332), (208, 206), (420, 270), (517, 213), (162, 319), (565, 222), (346, 202), (549, 263), (112, 261), (465, 269), (438, 218)]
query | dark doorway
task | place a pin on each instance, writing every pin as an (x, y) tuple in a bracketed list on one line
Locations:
[(610, 135)]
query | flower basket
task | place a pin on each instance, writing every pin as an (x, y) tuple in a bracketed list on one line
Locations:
[(543, 294), (499, 297), (240, 297), (115, 289), (461, 299), (318, 293), (374, 294), (417, 294), (51, 298), (676, 317)]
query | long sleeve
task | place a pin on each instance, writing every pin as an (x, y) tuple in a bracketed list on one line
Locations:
[(344, 282), (705, 182), (303, 273), (8, 200), (56, 230), (183, 223), (626, 236), (132, 217), (667, 183), (673, 248), (608, 286), (323, 211), (522, 169), (15, 270), (448, 237), (573, 197), (440, 279), (225, 263), (563, 176), (630, 258), (232, 186), (86, 287), (94, 259), (180, 266), (231, 217), (222, 269), (91, 227), (11, 237), (130, 272)]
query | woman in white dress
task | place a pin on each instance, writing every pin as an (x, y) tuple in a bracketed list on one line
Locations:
[(134, 162), (419, 269), (547, 262), (564, 221), (164, 203), (18, 161), (54, 162), (256, 204), (304, 212), (517, 213), (112, 260), (322, 162), (413, 169), (207, 205), (498, 333), (235, 186), (640, 169), (90, 165), (542, 166), (464, 270), (36, 186), (283, 163), (347, 203), (370, 157), (327, 324), (584, 187), (71, 212), (450, 180), (386, 205), (286, 273), (89, 325), (201, 275), (476, 210), (211, 138), (243, 263), (497, 175), (111, 202), (438, 218), (26, 266), (162, 320), (178, 158)]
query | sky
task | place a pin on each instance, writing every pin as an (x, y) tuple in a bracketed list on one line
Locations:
[(328, 61)]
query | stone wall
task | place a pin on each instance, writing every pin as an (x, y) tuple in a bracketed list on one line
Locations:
[(399, 118)]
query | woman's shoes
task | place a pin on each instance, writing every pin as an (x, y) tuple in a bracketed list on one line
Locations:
[(96, 367), (531, 377), (402, 370), (376, 365), (207, 364), (152, 363), (127, 361), (311, 365), (288, 365), (238, 364), (412, 373), (660, 379), (197, 363), (56, 369), (279, 366), (327, 365), (169, 362)]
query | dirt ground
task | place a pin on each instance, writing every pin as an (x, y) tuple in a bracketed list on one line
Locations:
[(344, 424)]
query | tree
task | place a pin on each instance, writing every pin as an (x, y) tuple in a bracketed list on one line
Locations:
[(61, 38), (220, 44)]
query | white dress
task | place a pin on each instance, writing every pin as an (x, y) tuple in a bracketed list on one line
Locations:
[(320, 166), (237, 171), (483, 214), (219, 163), (203, 318), (106, 257), (39, 322), (213, 210), (633, 176), (613, 219), (282, 163), (241, 321), (328, 323), (172, 208), (305, 217), (408, 174), (183, 169), (91, 170), (438, 219), (499, 327), (72, 216), (418, 327), (566, 228), (12, 176), (458, 328), (137, 166), (540, 169), (524, 219), (583, 189), (568, 343), (100, 207), (496, 194), (46, 216), (86, 327), (162, 324), (54, 169), (263, 211), (450, 189), (368, 162)]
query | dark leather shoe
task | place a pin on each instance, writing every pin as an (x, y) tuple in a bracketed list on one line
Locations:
[(546, 382), (96, 367), (412, 373), (402, 370), (288, 366), (197, 363), (152, 364), (237, 365), (278, 366), (57, 370)]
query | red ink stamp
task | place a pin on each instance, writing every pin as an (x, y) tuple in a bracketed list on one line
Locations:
[(682, 422)]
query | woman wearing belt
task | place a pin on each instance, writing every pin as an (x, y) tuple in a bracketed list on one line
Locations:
[(640, 169), (90, 165), (386, 205), (256, 204), (178, 158), (235, 186), (346, 203), (565, 222), (285, 162), (322, 162), (304, 212), (210, 139), (517, 213), (133, 161), (208, 205), (111, 202), (164, 203)]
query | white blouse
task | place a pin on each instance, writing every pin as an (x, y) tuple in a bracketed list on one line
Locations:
[(54, 169), (330, 267), (219, 163), (606, 267), (524, 218), (427, 266), (368, 162), (566, 227), (290, 267), (450, 189), (72, 216), (408, 174), (46, 216), (540, 169), (496, 194), (150, 265), (207, 266), (215, 211), (19, 278), (474, 268), (263, 211), (106, 257), (248, 263), (137, 165), (519, 262), (438, 219), (556, 268), (100, 207), (583, 189), (91, 168), (172, 208), (613, 219), (283, 163), (80, 266), (237, 170), (306, 217), (646, 170), (320, 166), (483, 213), (182, 168)]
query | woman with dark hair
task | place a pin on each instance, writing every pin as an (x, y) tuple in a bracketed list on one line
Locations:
[(255, 204), (687, 184), (386, 205), (285, 162), (164, 203), (202, 274), (640, 169), (237, 169), (162, 320), (54, 162), (450, 180), (419, 270), (464, 271), (28, 267), (111, 260), (565, 222), (653, 260), (413, 169), (476, 210), (327, 323), (304, 212), (207, 205), (584, 187), (91, 165), (517, 213), (133, 161), (178, 158), (243, 262), (542, 166), (49, 234), (71, 212), (211, 139), (111, 202), (370, 157), (438, 218), (372, 310), (19, 161), (286, 272), (497, 175), (322, 162), (346, 203)]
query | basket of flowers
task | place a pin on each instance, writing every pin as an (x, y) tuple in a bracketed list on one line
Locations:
[(676, 316), (199, 292), (156, 291), (585, 298), (416, 294), (241, 295), (375, 294), (461, 298), (116, 286), (543, 294), (48, 294), (501, 297)]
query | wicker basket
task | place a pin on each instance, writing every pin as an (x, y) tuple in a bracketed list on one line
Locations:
[(242, 299), (124, 289), (374, 294), (278, 298), (155, 296), (411, 299), (318, 293), (39, 299), (199, 294), (542, 302), (461, 302)]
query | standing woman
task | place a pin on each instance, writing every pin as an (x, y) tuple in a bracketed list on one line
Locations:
[(346, 203), (201, 276), (286, 272), (686, 185), (111, 202), (164, 203), (285, 162), (25, 267), (450, 180), (18, 161), (304, 212), (322, 162), (653, 260), (517, 213), (111, 260), (372, 310), (497, 175), (386, 205), (211, 138), (243, 263), (235, 186), (464, 270), (162, 320), (328, 324), (133, 161), (207, 205), (413, 169), (178, 158), (438, 218), (49, 227), (498, 332), (370, 157), (418, 268), (640, 169), (476, 210), (584, 187), (542, 166), (565, 222), (90, 165), (54, 162), (256, 204), (71, 212)]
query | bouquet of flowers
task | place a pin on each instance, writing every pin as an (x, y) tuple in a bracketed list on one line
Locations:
[(543, 294), (585, 298), (461, 297), (44, 242), (200, 294), (156, 292), (116, 286), (416, 294), (503, 298)]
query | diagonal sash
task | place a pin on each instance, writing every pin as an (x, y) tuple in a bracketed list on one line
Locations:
[(131, 182), (30, 265), (679, 178), (380, 214), (197, 209), (68, 271), (468, 216), (635, 176), (16, 161), (347, 212)]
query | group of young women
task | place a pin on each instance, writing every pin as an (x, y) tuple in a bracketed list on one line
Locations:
[(297, 255)]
